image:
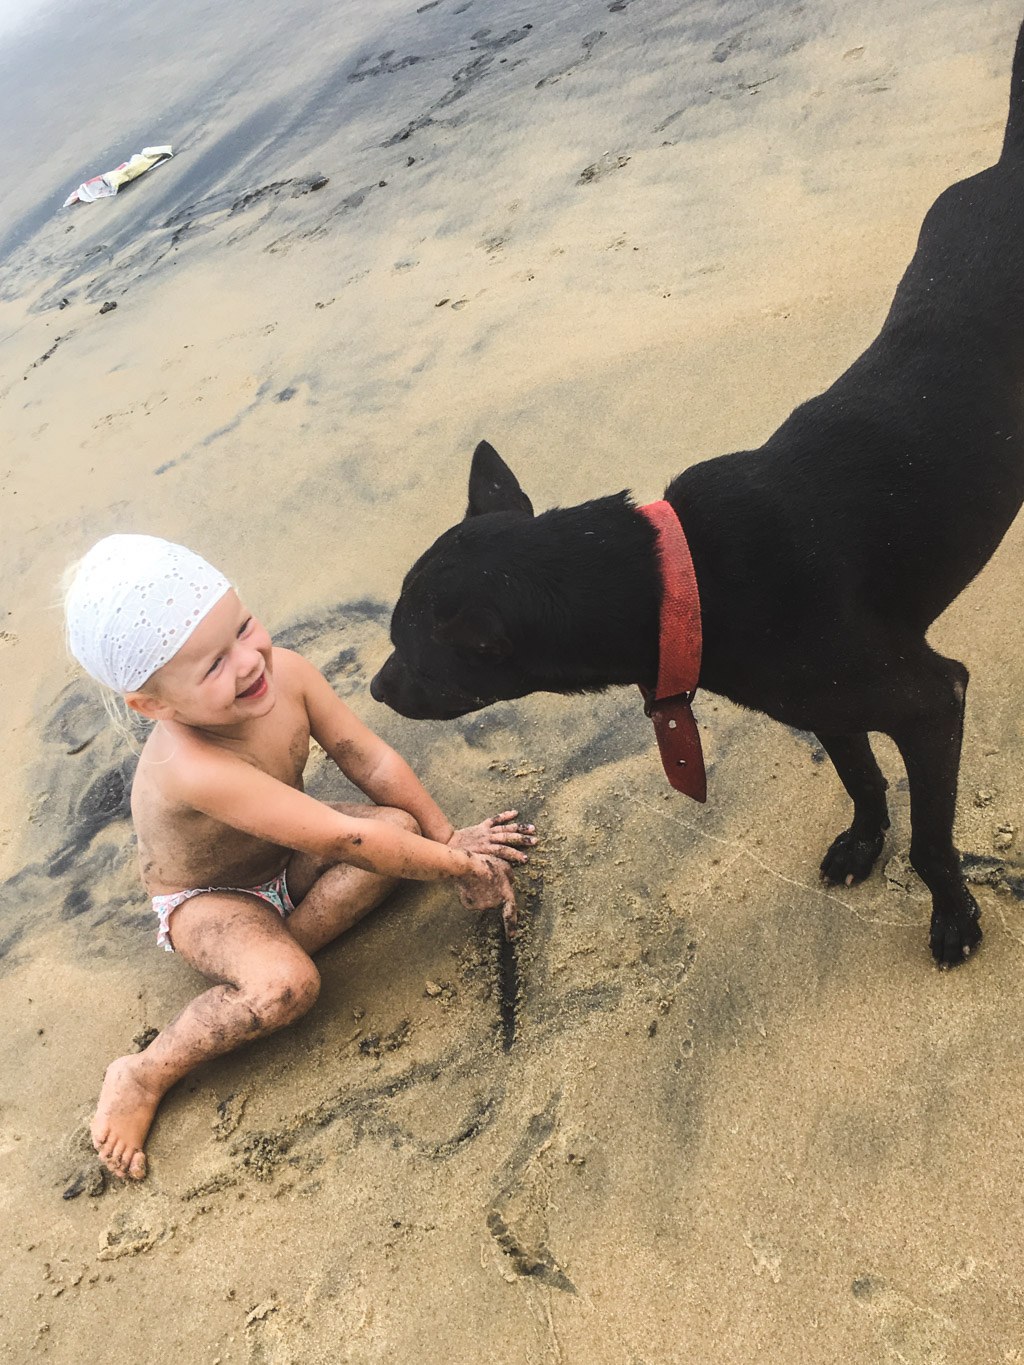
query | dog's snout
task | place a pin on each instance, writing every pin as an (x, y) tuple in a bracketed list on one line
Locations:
[(378, 689), (396, 685)]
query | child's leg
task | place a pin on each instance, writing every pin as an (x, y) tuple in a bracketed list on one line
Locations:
[(330, 897), (266, 976), (266, 981)]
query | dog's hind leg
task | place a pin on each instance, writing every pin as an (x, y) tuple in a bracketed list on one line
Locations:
[(854, 853), (928, 733)]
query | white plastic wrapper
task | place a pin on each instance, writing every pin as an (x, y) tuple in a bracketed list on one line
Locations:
[(103, 186)]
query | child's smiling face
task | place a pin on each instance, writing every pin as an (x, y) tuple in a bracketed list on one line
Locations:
[(223, 674)]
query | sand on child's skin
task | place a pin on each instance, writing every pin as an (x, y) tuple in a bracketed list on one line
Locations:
[(729, 1116)]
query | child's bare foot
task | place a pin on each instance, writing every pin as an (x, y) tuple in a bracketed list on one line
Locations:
[(123, 1117)]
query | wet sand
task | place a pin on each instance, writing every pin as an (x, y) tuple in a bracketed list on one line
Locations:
[(708, 1110)]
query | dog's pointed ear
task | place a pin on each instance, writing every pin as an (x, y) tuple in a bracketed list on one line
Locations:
[(476, 629), (492, 485)]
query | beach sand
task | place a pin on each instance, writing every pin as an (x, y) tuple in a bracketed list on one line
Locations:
[(708, 1110)]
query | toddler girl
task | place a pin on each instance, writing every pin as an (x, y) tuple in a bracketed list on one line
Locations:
[(249, 876)]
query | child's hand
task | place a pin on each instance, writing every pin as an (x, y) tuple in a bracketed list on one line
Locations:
[(497, 837), (489, 887)]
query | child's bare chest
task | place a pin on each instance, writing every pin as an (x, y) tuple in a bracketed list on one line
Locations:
[(282, 746), (180, 849)]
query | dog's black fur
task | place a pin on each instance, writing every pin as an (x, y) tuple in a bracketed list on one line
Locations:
[(822, 558)]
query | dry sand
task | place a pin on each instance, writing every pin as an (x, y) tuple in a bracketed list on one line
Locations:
[(730, 1117)]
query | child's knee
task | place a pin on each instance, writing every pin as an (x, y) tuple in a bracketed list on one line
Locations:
[(402, 818), (284, 996)]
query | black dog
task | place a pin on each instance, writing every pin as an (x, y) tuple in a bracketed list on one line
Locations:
[(822, 558)]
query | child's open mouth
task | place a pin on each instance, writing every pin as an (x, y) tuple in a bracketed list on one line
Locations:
[(256, 690)]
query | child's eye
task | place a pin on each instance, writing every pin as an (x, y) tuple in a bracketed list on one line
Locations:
[(244, 628), (213, 667)]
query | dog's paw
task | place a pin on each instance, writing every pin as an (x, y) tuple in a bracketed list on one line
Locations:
[(851, 858), (955, 937)]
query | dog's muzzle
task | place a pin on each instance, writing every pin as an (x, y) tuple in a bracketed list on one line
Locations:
[(396, 687)]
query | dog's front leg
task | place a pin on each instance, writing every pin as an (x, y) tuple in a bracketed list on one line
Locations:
[(854, 853), (929, 738)]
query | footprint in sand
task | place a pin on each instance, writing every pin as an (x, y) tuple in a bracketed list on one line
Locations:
[(597, 170), (588, 44)]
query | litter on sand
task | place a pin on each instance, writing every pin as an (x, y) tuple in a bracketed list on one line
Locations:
[(103, 186)]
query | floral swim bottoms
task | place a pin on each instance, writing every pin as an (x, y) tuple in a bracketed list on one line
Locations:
[(274, 892)]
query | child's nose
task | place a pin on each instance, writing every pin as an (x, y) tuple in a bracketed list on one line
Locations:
[(249, 660)]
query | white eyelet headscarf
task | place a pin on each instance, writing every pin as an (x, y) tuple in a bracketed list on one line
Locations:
[(132, 604)]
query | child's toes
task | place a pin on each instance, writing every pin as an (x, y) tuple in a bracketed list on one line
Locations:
[(137, 1166)]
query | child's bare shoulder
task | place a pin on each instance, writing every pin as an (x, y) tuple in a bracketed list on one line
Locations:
[(171, 752), (168, 757), (292, 671), (331, 722), (298, 679)]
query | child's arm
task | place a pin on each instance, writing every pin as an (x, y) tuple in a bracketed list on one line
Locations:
[(366, 760), (385, 777), (227, 788)]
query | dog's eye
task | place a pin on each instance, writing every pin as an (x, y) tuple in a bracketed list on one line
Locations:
[(489, 650), (470, 653)]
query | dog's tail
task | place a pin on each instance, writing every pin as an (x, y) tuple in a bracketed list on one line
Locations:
[(1013, 139)]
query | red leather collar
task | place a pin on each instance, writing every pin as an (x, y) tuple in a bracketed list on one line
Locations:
[(679, 652)]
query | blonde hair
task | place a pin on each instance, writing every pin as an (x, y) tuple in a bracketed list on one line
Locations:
[(128, 724)]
